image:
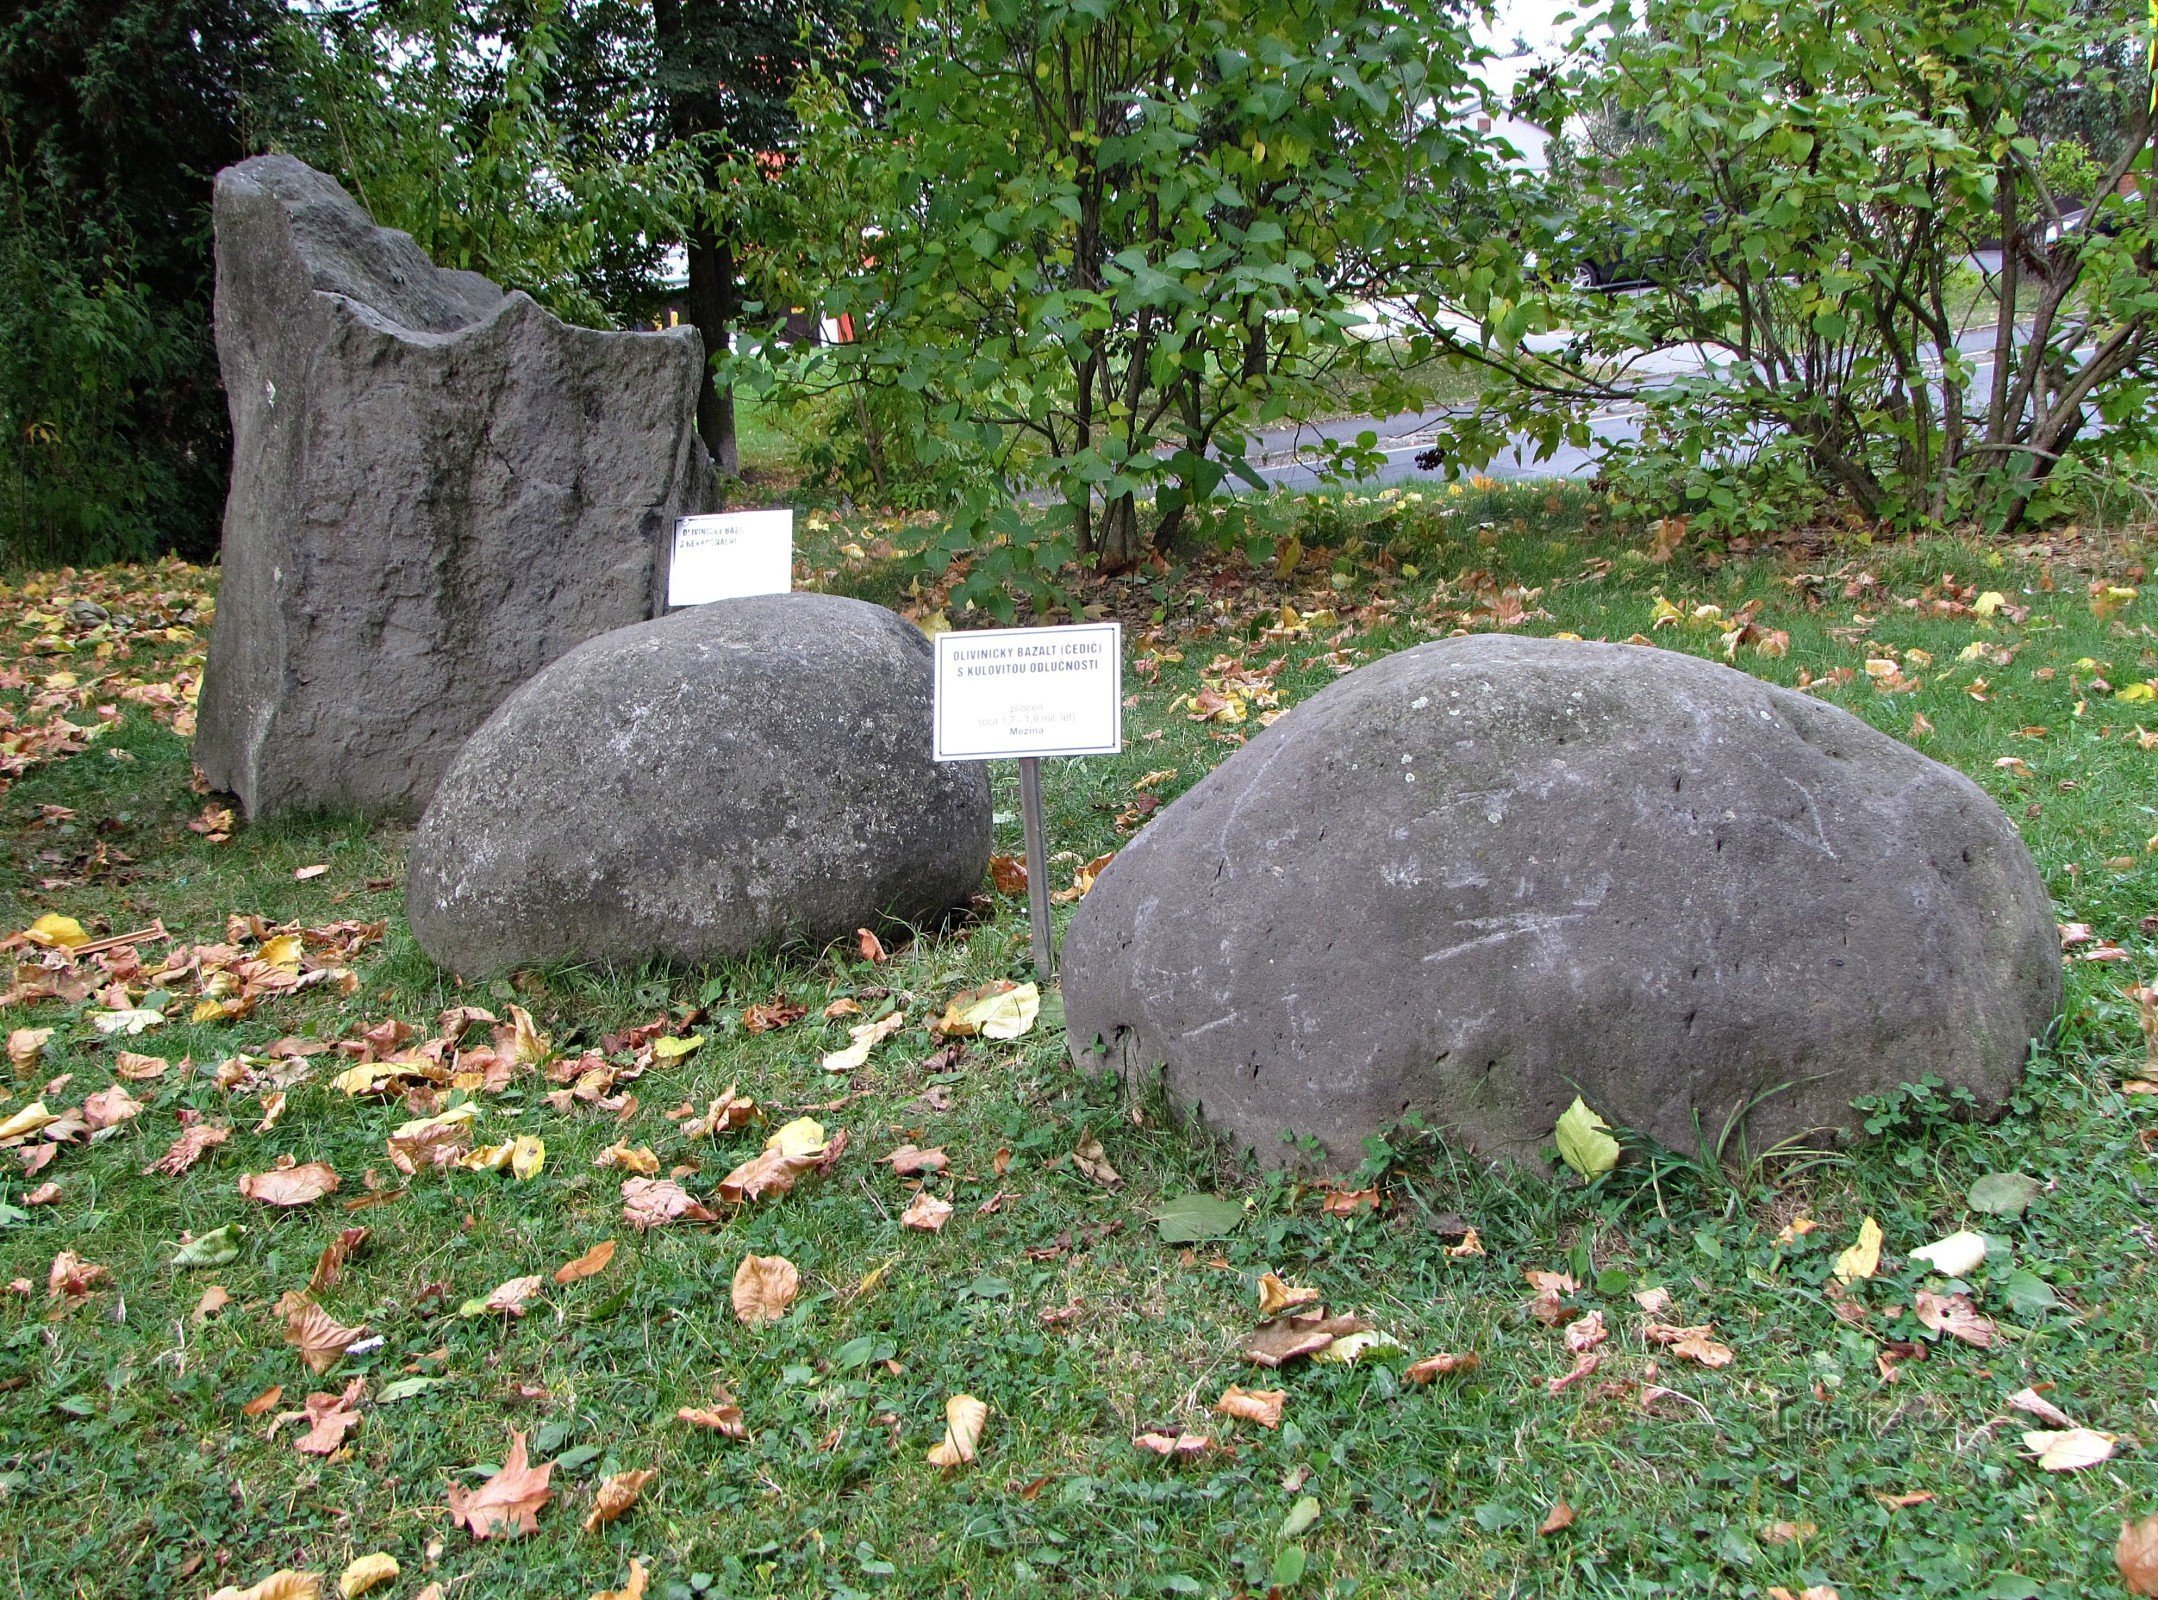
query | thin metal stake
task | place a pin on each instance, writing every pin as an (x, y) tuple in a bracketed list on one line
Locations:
[(1030, 810)]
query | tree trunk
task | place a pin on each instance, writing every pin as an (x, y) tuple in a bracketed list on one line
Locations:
[(714, 304), (1121, 547)]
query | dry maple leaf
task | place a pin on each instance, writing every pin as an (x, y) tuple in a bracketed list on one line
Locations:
[(2030, 1400), (1817, 1591), (723, 1417), (908, 1161), (764, 1286), (1584, 1364), (214, 1299), (509, 1502), (774, 1013), (1471, 1245), (188, 1149), (43, 1195), (330, 1265), (509, 1297), (798, 1148), (631, 1590), (281, 1585), (1090, 1159), (290, 1186), (263, 1401), (639, 1159), (329, 1418), (1262, 1406), (654, 1202), (71, 1277), (1442, 1365), (1347, 1202), (728, 1110), (926, 1213), (1276, 1296), (1562, 1516), (318, 1337), (592, 1261), (1186, 1445), (2069, 1449), (109, 1107), (1008, 873), (368, 1572), (1956, 1316), (964, 1417), (617, 1495), (1283, 1339), (871, 947), (2136, 1555), (1586, 1333)]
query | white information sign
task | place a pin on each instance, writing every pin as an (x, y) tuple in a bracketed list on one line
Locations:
[(729, 555), (1008, 692)]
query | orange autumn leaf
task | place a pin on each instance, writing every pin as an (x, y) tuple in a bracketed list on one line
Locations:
[(964, 1417), (1262, 1406), (654, 1202), (723, 1417), (319, 1337), (592, 1261), (290, 1186), (329, 1418), (1444, 1364), (926, 1213), (2136, 1556), (617, 1495), (1173, 1444), (764, 1286), (507, 1504)]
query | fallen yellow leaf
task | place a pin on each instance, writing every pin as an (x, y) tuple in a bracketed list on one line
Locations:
[(963, 1419), (367, 1573), (764, 1286), (1863, 1259)]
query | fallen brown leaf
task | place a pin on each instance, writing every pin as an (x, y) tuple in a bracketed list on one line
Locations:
[(2136, 1555), (964, 1417), (631, 1590), (1562, 1516), (1442, 1365), (109, 1107), (1285, 1338), (775, 1169), (509, 1298), (1955, 1315), (1090, 1159), (908, 1161), (1586, 1333), (724, 1418), (1186, 1445), (281, 1585), (617, 1495), (214, 1299), (655, 1202), (764, 1286), (592, 1261), (314, 1333), (1262, 1406), (290, 1186), (509, 1502), (330, 1265), (1276, 1296), (1584, 1364), (71, 1278), (329, 1418), (926, 1213), (264, 1401)]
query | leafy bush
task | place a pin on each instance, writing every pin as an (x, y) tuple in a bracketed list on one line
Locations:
[(1806, 193)]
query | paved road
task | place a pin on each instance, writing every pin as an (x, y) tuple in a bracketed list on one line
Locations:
[(1284, 455)]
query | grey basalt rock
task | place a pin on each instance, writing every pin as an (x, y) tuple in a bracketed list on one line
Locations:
[(1477, 878), (722, 780), (437, 488)]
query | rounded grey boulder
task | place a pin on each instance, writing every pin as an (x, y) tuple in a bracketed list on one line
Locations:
[(721, 780), (1482, 876)]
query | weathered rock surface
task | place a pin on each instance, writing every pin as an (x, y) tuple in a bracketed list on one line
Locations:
[(437, 488), (718, 781), (1484, 875)]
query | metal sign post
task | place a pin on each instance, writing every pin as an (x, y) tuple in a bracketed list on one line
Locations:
[(1030, 816), (1031, 693)]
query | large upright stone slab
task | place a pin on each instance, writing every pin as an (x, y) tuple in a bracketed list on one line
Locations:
[(437, 489), (1485, 875)]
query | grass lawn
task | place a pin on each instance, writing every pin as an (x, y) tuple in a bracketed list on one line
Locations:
[(1860, 1451)]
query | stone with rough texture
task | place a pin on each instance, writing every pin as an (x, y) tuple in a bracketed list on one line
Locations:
[(437, 488), (719, 781), (1484, 875)]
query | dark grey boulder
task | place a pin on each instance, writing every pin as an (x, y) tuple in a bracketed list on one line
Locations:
[(1477, 878), (437, 488), (722, 780)]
